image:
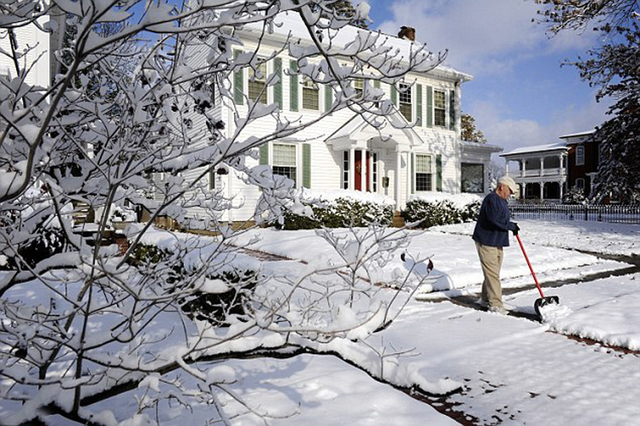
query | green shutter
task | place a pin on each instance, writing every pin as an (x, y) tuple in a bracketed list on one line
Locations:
[(238, 82), (376, 84), (293, 86), (452, 109), (328, 97), (413, 173), (429, 106), (419, 104), (264, 154), (277, 90), (306, 165), (394, 95), (439, 173)]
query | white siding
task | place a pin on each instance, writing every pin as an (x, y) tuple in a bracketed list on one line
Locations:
[(326, 164)]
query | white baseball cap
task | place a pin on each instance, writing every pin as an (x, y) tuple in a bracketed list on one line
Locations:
[(507, 180)]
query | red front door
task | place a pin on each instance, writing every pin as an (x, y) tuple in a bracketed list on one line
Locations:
[(358, 174), (359, 166)]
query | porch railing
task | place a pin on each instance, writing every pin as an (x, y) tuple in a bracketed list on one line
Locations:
[(614, 213)]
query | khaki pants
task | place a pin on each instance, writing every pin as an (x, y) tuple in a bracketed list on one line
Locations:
[(491, 261)]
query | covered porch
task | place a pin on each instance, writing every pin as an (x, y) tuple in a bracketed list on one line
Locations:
[(541, 171), (377, 155)]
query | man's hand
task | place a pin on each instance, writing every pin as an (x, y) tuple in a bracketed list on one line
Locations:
[(516, 229)]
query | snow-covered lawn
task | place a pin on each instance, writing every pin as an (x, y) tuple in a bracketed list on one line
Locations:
[(499, 369), (512, 369)]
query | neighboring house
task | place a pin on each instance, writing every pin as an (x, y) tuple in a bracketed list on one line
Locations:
[(343, 151), (548, 172), (584, 157), (542, 170)]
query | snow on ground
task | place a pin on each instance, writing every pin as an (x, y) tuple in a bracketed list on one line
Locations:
[(594, 237), (516, 371), (512, 370), (455, 258)]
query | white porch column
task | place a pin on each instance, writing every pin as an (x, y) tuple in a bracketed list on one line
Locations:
[(524, 191), (352, 169), (397, 179), (541, 166), (409, 177), (541, 189), (370, 170), (561, 186), (524, 167), (363, 170)]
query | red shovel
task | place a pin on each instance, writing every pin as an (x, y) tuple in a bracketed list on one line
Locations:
[(543, 301)]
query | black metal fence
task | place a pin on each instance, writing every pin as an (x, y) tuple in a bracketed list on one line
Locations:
[(614, 213)]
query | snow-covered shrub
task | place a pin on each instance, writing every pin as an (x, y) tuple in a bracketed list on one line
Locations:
[(340, 209), (222, 298), (441, 209), (574, 196)]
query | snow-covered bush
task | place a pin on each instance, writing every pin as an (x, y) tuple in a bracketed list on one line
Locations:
[(426, 211), (340, 209), (574, 196)]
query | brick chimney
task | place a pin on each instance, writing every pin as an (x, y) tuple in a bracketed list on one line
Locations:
[(408, 33)]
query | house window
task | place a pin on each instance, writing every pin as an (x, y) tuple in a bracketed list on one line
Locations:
[(374, 171), (439, 108), (423, 171), (580, 183), (579, 155), (358, 86), (258, 84), (284, 161), (472, 178), (404, 97), (345, 170), (310, 95)]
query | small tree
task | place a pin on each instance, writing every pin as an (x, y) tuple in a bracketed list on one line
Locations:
[(469, 132), (85, 321)]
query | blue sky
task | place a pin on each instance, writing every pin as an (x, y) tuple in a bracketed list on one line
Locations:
[(520, 95)]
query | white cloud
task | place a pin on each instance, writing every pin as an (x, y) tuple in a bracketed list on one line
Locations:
[(514, 133), (483, 37)]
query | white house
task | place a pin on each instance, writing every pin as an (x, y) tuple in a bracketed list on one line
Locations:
[(343, 151)]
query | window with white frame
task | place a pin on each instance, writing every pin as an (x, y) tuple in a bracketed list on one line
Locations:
[(310, 94), (580, 155), (258, 83), (284, 161), (472, 177), (404, 100), (423, 173), (439, 108), (345, 170)]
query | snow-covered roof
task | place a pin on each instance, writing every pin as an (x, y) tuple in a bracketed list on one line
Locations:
[(468, 145), (574, 135), (291, 24), (557, 146), (359, 129)]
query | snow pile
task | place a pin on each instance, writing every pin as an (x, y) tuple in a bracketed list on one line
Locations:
[(309, 195), (551, 313), (460, 201)]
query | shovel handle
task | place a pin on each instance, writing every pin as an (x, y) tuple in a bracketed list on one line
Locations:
[(533, 274)]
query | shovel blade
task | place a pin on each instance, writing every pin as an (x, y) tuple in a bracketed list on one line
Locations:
[(544, 301)]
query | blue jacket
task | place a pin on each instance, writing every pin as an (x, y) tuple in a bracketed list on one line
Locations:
[(494, 224)]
